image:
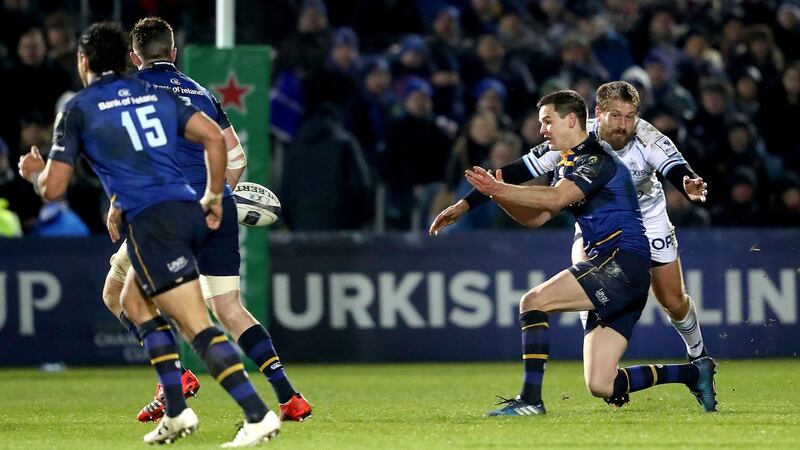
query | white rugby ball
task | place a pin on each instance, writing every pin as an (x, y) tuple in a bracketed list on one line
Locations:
[(256, 205)]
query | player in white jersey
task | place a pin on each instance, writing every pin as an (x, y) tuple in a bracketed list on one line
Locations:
[(645, 151)]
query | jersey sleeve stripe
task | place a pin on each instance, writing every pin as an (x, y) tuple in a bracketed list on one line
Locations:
[(669, 164), (533, 165)]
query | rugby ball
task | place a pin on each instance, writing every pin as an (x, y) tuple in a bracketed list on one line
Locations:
[(256, 206)]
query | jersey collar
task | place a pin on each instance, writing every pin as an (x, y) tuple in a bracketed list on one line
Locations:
[(587, 144), (162, 65), (107, 77)]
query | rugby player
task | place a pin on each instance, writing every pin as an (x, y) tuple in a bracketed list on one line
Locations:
[(128, 131), (593, 184), (645, 151), (154, 54)]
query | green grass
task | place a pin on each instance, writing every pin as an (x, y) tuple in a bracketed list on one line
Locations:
[(413, 406)]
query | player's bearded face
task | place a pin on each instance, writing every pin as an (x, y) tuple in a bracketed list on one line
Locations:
[(617, 123)]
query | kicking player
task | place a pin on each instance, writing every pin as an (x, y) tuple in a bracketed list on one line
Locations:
[(593, 184), (645, 151), (154, 54), (128, 132)]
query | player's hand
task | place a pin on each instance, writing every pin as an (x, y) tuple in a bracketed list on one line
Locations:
[(214, 216), (212, 205), (113, 220), (484, 182), (449, 216), (695, 188), (30, 163)]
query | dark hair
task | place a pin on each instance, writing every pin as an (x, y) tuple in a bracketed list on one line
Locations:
[(565, 102), (152, 38), (105, 44), (617, 90)]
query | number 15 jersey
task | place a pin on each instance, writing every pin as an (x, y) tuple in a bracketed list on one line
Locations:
[(128, 131)]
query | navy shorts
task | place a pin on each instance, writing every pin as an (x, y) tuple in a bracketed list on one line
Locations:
[(617, 283), (219, 255), (162, 243)]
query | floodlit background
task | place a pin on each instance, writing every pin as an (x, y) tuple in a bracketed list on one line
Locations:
[(361, 115)]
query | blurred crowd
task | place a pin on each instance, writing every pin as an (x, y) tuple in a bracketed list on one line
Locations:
[(378, 106)]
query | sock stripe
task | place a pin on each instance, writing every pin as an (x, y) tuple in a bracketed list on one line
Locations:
[(268, 362), (218, 339), (627, 377), (655, 374), (534, 356), (540, 324), (163, 358), (227, 372)]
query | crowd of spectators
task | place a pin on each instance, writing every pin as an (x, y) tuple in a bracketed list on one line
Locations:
[(379, 105)]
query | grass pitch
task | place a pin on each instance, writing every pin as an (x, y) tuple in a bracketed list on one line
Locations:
[(413, 406)]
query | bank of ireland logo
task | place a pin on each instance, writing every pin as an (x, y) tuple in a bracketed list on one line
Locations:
[(124, 92), (233, 93), (601, 296), (178, 264), (175, 81)]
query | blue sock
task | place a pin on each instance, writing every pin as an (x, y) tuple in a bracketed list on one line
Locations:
[(535, 350), (257, 345), (224, 365), (130, 326), (160, 345), (637, 378)]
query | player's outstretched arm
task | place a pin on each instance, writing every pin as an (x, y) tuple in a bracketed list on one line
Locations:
[(201, 129), (49, 180), (543, 198), (515, 172), (237, 160), (529, 217)]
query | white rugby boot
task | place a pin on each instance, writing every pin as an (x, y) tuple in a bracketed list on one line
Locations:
[(251, 434), (170, 429)]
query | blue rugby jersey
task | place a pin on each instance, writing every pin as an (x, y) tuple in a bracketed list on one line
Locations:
[(609, 215), (128, 131), (191, 157)]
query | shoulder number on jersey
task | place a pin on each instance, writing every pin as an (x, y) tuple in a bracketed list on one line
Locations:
[(151, 126)]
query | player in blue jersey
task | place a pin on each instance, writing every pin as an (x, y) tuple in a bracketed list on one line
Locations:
[(154, 54), (128, 132), (646, 152), (593, 184)]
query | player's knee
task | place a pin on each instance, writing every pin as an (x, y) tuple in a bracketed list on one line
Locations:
[(227, 305), (111, 295), (533, 299), (676, 304), (598, 386)]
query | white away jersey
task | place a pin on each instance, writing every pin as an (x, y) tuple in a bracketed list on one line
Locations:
[(649, 151)]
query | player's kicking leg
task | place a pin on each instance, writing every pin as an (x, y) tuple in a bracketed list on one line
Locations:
[(559, 293), (616, 307), (115, 280), (223, 297)]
